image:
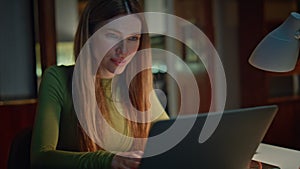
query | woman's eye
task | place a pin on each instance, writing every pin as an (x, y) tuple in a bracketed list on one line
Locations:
[(134, 38), (112, 35)]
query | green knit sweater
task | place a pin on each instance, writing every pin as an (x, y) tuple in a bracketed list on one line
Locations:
[(54, 140)]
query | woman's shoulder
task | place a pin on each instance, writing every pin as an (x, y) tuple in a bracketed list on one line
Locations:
[(59, 76), (59, 71)]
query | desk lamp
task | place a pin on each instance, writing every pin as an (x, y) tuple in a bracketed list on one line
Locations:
[(278, 51)]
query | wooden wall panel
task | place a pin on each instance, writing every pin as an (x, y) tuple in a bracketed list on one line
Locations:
[(13, 119), (47, 32), (285, 130)]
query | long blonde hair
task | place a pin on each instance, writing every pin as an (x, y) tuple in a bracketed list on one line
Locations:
[(95, 13)]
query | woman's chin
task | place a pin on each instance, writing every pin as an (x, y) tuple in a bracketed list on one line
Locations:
[(119, 71)]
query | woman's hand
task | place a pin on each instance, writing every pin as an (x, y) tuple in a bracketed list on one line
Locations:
[(127, 160)]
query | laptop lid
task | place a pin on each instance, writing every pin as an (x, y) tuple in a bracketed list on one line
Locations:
[(231, 146)]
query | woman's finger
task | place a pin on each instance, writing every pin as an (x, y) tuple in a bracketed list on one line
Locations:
[(131, 163)]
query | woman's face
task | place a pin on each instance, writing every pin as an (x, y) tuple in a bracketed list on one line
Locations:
[(126, 33)]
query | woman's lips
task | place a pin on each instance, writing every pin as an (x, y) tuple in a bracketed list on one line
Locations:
[(118, 62)]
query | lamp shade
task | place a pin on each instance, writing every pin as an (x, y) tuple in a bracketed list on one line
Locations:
[(278, 51)]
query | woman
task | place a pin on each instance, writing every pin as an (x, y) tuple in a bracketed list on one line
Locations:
[(59, 140)]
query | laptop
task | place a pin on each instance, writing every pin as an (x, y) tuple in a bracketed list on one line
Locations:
[(231, 146)]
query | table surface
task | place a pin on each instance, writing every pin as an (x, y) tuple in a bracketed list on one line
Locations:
[(278, 156)]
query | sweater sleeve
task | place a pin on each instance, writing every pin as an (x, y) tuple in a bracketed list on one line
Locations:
[(44, 153)]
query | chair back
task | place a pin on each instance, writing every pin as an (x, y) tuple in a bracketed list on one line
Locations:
[(19, 153)]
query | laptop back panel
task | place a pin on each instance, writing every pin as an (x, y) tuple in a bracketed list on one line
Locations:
[(231, 146)]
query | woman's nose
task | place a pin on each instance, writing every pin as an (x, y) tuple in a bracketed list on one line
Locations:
[(122, 49)]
